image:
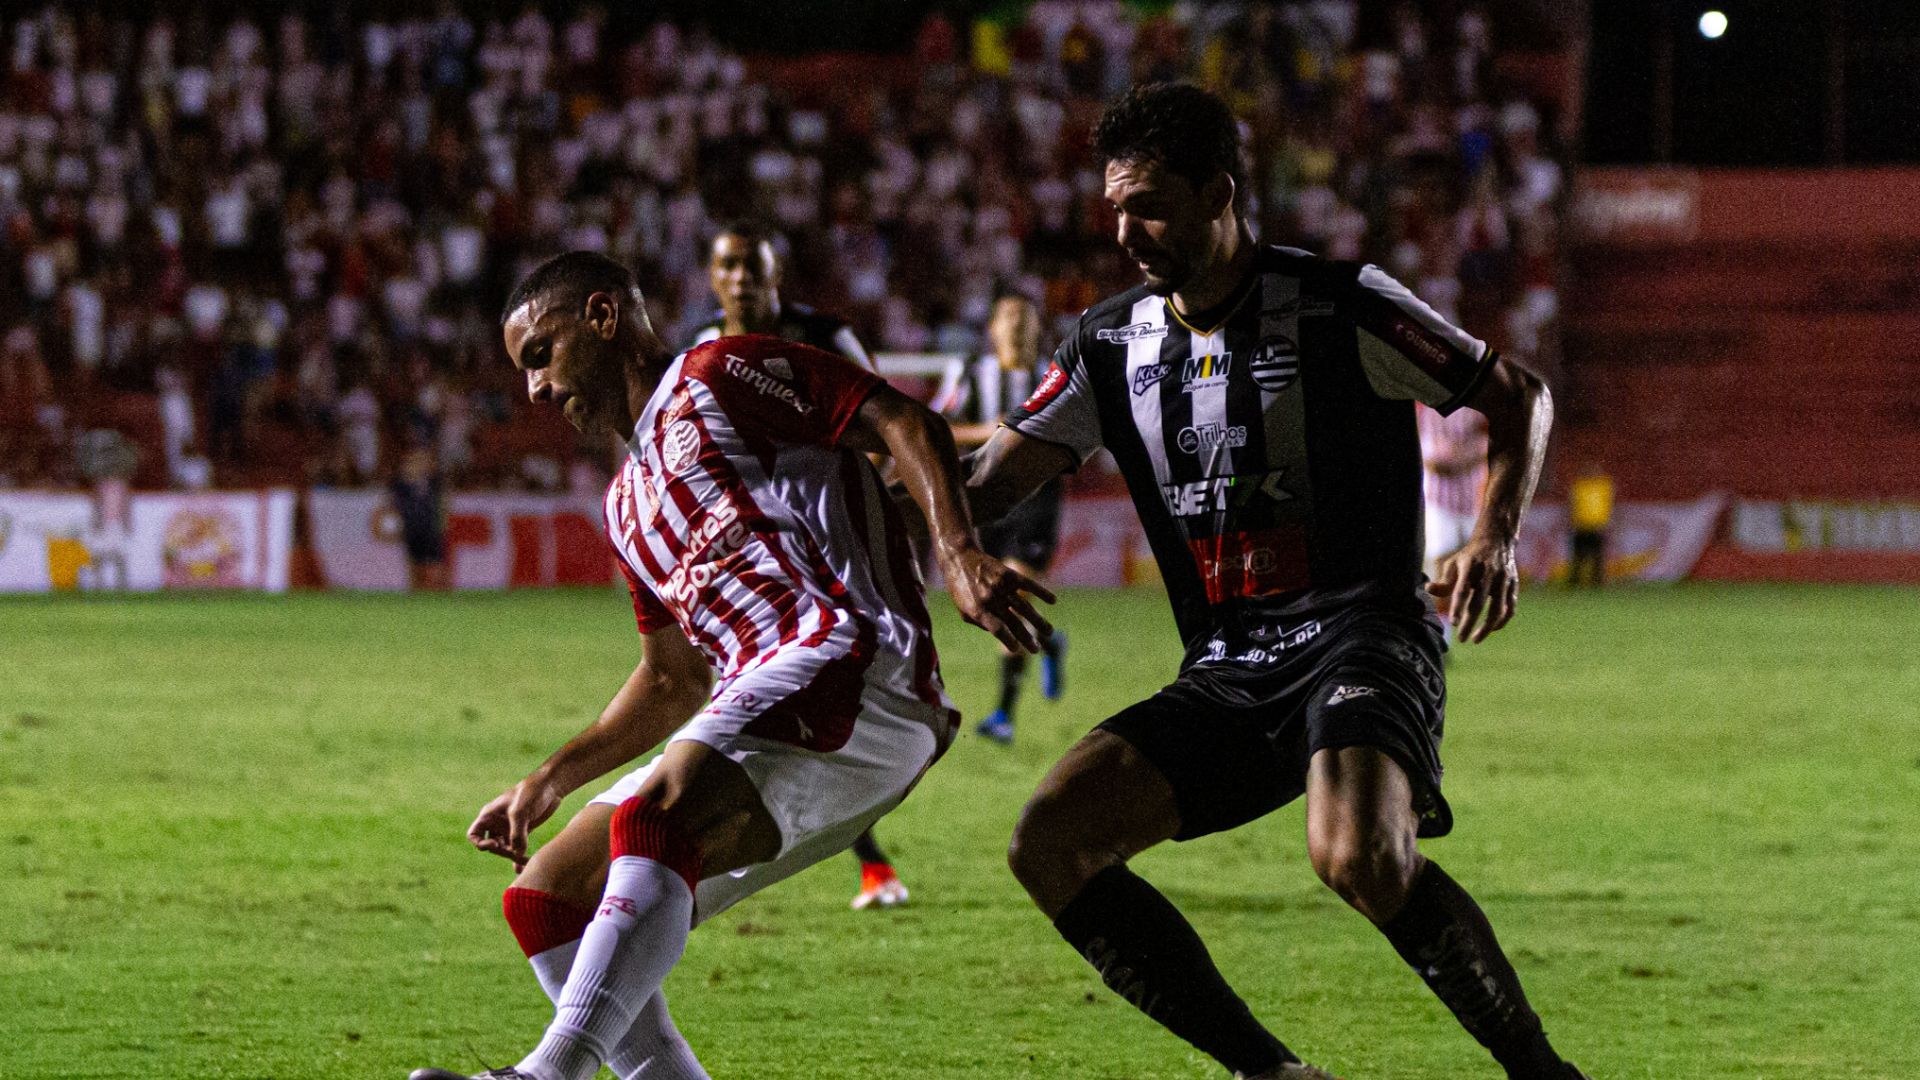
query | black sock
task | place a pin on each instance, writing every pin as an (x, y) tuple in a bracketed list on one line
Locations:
[(868, 848), (1447, 939), (1013, 671), (1146, 952)]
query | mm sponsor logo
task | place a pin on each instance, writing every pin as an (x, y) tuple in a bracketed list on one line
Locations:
[(1203, 438), (1139, 331), (1276, 364), (1221, 493), (1200, 372), (716, 537), (766, 384), (1148, 376), (679, 446)]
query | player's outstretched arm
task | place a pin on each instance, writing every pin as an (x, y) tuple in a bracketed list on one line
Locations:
[(989, 594), (1479, 585), (1010, 467), (668, 686)]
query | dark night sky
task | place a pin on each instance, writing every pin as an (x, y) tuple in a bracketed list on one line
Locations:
[(1759, 94)]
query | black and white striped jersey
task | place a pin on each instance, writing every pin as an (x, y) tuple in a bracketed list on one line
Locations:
[(977, 390), (798, 322), (1273, 457)]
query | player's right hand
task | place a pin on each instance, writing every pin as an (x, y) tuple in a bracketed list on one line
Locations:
[(993, 596), (503, 825)]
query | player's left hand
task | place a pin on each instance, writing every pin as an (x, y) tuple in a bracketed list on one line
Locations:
[(1477, 588), (993, 596), (504, 823)]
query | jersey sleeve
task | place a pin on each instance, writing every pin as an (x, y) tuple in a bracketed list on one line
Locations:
[(1061, 410), (782, 389), (1409, 351), (648, 612)]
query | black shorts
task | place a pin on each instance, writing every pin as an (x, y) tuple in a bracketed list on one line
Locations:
[(1029, 532), (1233, 736)]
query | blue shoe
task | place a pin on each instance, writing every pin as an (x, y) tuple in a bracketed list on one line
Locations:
[(1053, 668), (997, 726)]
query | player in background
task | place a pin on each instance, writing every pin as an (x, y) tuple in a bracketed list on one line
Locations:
[(1589, 515), (744, 270), (1453, 460), (759, 544), (975, 394), (1258, 400)]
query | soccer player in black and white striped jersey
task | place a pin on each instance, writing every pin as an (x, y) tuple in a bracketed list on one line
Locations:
[(1259, 403), (975, 393)]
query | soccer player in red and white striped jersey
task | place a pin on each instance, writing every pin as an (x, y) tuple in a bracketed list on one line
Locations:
[(1453, 459), (759, 546)]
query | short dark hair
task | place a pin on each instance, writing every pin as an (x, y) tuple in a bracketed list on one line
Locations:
[(577, 275), (752, 230), (1189, 131)]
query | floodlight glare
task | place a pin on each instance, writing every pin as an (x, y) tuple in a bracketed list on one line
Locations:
[(1713, 24)]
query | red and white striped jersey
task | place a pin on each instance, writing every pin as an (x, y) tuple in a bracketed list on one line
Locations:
[(739, 516), (1453, 454)]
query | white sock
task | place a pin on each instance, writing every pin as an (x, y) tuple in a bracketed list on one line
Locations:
[(635, 938), (652, 1049)]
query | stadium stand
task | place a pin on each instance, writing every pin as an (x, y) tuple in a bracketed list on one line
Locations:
[(270, 252)]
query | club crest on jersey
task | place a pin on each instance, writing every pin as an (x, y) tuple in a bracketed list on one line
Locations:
[(1049, 388), (779, 367), (679, 447), (1201, 372), (1206, 437), (1149, 376), (1139, 331), (1276, 364)]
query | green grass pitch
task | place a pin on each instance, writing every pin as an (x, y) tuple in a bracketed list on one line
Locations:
[(232, 831)]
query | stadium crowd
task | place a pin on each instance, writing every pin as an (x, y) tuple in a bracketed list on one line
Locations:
[(273, 251)]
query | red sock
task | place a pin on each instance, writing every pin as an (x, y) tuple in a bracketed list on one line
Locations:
[(541, 920)]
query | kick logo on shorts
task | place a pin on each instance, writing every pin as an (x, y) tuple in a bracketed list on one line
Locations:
[(1348, 693)]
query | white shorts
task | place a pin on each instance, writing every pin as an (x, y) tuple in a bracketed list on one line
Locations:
[(822, 802), (1447, 532)]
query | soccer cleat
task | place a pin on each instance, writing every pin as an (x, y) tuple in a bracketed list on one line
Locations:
[(490, 1074), (879, 887), (997, 726), (1053, 668)]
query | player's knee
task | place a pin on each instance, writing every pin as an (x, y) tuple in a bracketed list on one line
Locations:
[(657, 829), (1042, 849), (1371, 871)]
